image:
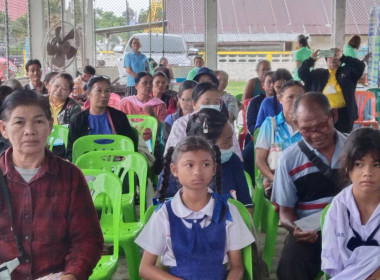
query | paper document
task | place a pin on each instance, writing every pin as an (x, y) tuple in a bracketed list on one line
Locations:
[(311, 222)]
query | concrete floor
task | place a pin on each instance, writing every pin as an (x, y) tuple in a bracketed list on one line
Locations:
[(122, 273)]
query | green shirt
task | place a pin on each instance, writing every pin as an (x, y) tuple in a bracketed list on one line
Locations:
[(349, 51), (301, 54), (192, 73)]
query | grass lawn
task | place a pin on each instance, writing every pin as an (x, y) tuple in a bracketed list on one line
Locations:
[(235, 87)]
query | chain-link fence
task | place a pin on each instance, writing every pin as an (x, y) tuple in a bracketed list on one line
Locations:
[(13, 34)]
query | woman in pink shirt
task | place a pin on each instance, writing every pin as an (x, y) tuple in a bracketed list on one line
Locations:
[(143, 103)]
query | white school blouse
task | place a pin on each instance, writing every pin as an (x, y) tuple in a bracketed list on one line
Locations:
[(337, 259), (155, 236)]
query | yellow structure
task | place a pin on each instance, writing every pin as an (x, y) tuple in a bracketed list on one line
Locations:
[(155, 5)]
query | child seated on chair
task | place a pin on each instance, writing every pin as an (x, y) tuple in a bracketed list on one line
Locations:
[(198, 231), (351, 235), (215, 128)]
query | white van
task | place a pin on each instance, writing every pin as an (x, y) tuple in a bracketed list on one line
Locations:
[(174, 49)]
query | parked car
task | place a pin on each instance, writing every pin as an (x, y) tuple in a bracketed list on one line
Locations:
[(174, 49)]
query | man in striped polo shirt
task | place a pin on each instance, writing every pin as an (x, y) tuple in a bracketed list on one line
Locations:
[(301, 189)]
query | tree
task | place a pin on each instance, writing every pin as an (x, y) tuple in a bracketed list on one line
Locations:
[(108, 19)]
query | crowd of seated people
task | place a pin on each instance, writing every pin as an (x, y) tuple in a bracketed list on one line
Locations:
[(303, 128)]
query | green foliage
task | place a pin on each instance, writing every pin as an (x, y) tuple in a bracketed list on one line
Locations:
[(108, 19), (143, 15)]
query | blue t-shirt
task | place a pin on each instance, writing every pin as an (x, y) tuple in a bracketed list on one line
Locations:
[(99, 124), (137, 63), (266, 110)]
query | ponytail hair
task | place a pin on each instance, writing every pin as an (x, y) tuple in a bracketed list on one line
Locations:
[(166, 175), (279, 74), (218, 172)]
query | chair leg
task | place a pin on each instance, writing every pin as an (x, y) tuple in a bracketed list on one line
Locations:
[(132, 256)]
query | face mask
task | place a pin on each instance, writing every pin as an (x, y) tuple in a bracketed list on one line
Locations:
[(225, 155), (215, 107)]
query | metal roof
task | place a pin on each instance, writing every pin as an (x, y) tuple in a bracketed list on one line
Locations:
[(263, 17)]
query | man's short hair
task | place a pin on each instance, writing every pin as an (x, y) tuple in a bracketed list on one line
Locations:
[(88, 69), (312, 97), (31, 62)]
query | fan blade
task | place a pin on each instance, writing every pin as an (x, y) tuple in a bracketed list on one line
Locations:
[(58, 31), (65, 47), (51, 49), (69, 35), (71, 53), (59, 60)]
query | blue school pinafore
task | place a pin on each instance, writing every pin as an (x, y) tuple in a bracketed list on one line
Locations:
[(199, 252)]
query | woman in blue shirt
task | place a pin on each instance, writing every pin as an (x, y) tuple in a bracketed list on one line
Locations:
[(134, 62)]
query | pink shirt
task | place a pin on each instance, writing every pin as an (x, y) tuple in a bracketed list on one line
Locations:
[(132, 106)]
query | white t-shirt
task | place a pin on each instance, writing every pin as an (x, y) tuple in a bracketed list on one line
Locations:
[(155, 236), (337, 259)]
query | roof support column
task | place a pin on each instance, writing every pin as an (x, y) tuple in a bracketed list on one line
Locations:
[(36, 29), (88, 42), (211, 33), (338, 23)]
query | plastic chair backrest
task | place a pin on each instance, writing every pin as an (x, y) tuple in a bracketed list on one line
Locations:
[(249, 183), (366, 105), (58, 132), (90, 143), (106, 186), (271, 232), (258, 204), (144, 122), (246, 252), (120, 163), (323, 214), (257, 171), (239, 97)]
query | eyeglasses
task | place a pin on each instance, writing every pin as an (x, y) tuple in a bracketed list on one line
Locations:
[(319, 128), (186, 100)]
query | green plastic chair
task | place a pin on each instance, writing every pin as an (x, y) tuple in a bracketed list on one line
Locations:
[(121, 163), (258, 204), (58, 132), (271, 232), (132, 164), (323, 214), (249, 183), (106, 187), (88, 143), (246, 252), (144, 122), (239, 97)]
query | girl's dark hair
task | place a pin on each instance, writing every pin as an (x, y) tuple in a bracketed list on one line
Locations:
[(68, 78), (24, 97), (361, 141), (208, 123), (141, 75), (279, 74), (97, 79), (302, 40), (47, 79), (4, 92), (188, 144), (186, 84), (355, 42), (201, 88)]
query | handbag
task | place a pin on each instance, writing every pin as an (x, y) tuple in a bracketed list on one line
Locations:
[(275, 148)]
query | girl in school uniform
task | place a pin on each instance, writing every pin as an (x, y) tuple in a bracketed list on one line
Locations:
[(351, 235), (198, 231)]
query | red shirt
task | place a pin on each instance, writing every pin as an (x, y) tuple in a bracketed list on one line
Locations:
[(54, 219)]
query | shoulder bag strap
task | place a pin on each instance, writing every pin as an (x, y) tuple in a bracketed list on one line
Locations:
[(7, 200), (316, 160)]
